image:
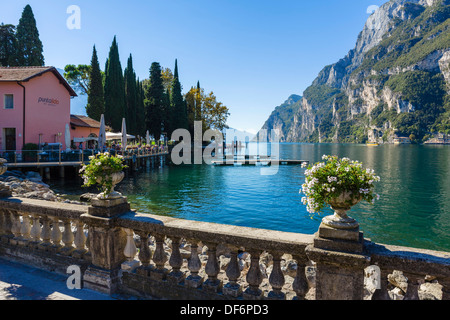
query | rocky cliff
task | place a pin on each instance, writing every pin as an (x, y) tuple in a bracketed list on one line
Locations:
[(396, 81)]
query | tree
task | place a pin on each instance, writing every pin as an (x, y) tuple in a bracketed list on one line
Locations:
[(78, 77), (206, 108), (96, 101), (8, 45), (29, 46), (179, 113), (115, 105), (214, 113), (131, 96), (154, 101), (141, 128)]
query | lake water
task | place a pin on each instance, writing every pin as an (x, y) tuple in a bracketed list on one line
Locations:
[(414, 208)]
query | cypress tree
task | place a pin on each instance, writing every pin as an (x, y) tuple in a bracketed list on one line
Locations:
[(8, 45), (29, 46), (131, 99), (114, 89), (198, 103), (154, 101), (141, 128), (96, 101), (179, 114)]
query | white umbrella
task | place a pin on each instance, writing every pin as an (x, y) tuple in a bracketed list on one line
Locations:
[(102, 133), (67, 137), (124, 134), (147, 138)]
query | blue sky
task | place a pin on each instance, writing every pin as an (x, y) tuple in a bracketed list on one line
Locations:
[(253, 54)]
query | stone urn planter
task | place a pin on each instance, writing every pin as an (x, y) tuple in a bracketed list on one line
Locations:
[(340, 205), (115, 179)]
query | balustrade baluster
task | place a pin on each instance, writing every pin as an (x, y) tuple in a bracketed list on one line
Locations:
[(176, 261), (382, 292), (79, 240), (15, 227), (25, 229), (233, 288), (35, 232), (413, 286), (159, 258), (67, 238), (276, 278), (46, 233), (194, 280), (56, 235), (212, 269), (145, 255), (254, 277), (130, 251), (300, 284)]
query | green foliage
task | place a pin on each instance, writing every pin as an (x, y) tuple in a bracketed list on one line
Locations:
[(96, 99), (130, 97), (115, 107), (29, 46), (78, 76), (8, 45), (154, 101), (179, 115), (320, 95), (100, 169)]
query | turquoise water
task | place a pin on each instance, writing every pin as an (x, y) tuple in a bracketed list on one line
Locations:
[(414, 208)]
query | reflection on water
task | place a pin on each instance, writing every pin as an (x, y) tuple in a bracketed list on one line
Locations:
[(414, 209)]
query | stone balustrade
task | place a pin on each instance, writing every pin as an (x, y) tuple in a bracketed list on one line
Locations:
[(151, 256)]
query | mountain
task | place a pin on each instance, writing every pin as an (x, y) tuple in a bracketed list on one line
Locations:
[(395, 81)]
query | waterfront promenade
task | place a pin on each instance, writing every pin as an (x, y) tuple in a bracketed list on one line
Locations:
[(22, 282)]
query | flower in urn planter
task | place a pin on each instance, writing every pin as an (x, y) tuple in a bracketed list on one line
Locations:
[(106, 171), (339, 183)]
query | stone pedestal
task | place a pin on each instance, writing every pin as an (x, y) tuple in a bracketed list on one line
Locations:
[(106, 244), (340, 263)]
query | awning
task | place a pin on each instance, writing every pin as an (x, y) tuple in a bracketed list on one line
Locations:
[(117, 136)]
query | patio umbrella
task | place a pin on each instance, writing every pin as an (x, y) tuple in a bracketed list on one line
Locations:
[(147, 137), (102, 133), (124, 134), (67, 137)]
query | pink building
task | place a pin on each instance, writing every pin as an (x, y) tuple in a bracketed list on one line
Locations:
[(34, 106)]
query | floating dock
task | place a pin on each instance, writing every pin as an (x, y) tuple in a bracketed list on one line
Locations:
[(263, 161)]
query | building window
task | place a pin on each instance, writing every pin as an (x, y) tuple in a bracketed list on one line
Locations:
[(9, 101)]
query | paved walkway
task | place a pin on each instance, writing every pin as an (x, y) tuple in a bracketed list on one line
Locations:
[(20, 282)]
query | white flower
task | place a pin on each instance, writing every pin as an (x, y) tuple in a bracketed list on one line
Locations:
[(331, 179), (91, 157), (98, 163)]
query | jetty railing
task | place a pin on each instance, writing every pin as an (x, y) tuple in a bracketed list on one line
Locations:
[(37, 157), (150, 256)]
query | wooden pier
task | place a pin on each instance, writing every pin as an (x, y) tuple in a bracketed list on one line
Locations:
[(261, 161), (50, 169)]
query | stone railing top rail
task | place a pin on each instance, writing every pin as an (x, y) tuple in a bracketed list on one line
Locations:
[(249, 238), (41, 207), (413, 260)]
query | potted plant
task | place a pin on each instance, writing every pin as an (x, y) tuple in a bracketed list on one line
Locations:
[(106, 171), (341, 184)]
